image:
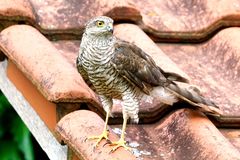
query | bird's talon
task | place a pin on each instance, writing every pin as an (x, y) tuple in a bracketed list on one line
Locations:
[(118, 144), (99, 138), (108, 142)]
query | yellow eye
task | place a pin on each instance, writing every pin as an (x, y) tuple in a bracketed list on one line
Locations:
[(100, 23)]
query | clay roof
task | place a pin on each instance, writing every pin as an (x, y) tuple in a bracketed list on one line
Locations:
[(42, 39)]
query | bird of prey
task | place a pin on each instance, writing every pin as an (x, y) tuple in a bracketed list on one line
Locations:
[(120, 70)]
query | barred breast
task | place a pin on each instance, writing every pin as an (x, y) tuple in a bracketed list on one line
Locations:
[(105, 79)]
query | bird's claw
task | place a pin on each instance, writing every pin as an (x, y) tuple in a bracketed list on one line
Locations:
[(107, 142), (118, 144), (99, 138)]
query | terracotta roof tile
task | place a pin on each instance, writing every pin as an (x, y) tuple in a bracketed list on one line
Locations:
[(76, 127), (15, 11), (165, 20), (233, 135), (214, 67), (41, 62), (168, 21), (184, 134), (55, 16), (69, 49), (187, 20)]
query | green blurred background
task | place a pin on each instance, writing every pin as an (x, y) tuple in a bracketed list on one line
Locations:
[(16, 142)]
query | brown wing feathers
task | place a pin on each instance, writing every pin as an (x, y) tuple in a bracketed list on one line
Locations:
[(137, 67), (140, 69)]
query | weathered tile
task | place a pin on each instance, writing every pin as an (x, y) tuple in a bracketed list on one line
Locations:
[(30, 93), (215, 67), (76, 127), (70, 16), (14, 12), (233, 135), (41, 62), (69, 49), (179, 20), (184, 134)]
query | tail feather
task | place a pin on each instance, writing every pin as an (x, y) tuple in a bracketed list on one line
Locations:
[(193, 96)]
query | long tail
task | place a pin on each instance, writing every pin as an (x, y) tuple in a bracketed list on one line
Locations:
[(192, 95)]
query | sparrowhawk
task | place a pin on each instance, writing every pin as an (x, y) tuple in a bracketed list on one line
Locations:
[(121, 70)]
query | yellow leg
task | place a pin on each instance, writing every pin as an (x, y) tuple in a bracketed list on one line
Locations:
[(121, 142), (104, 134)]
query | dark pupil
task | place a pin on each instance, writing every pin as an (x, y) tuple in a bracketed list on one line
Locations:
[(100, 23)]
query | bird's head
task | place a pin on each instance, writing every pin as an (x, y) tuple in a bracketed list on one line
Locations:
[(99, 26)]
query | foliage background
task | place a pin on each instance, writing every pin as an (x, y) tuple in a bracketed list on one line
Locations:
[(15, 138)]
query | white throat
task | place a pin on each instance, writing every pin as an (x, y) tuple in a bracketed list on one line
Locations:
[(98, 41)]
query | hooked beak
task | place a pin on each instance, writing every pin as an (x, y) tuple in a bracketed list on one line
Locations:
[(110, 27)]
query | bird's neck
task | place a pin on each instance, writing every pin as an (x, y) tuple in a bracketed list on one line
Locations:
[(98, 41)]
